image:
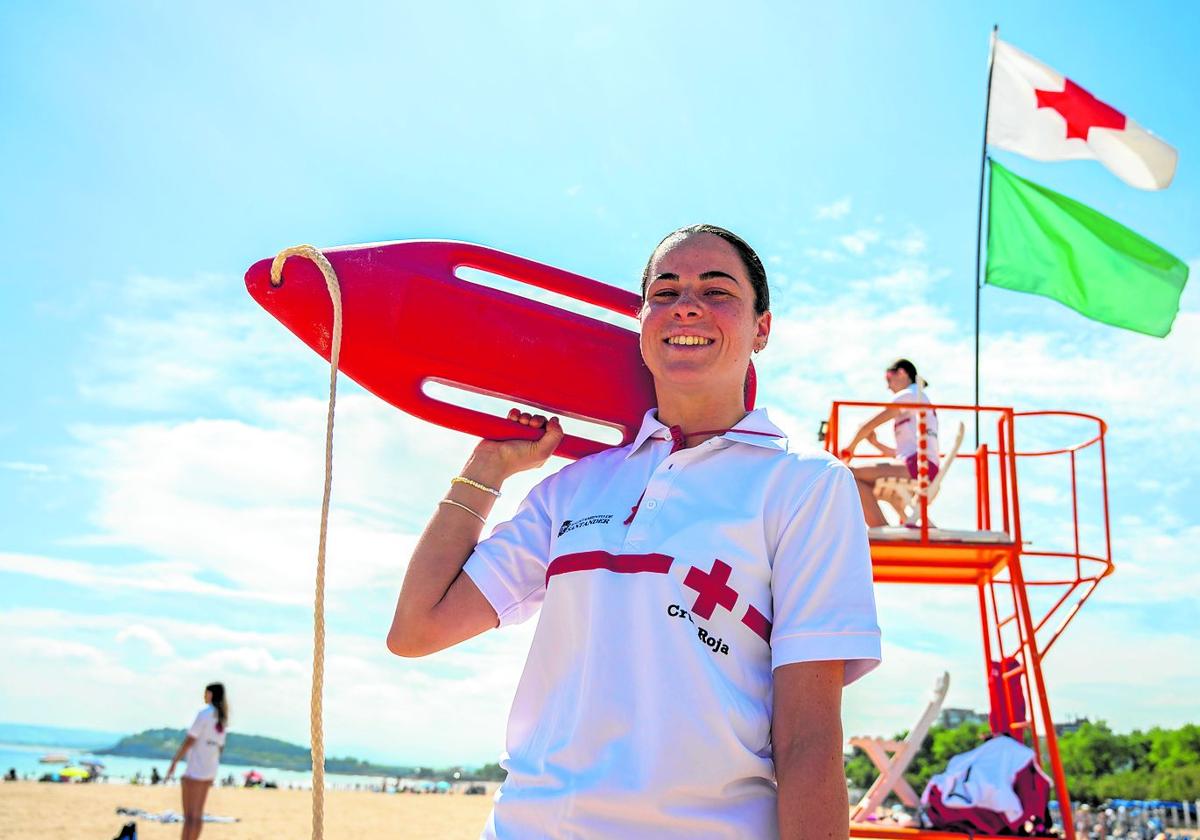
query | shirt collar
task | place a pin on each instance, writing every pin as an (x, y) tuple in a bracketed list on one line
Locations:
[(755, 421)]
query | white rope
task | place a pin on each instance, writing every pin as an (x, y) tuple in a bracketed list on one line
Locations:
[(318, 671)]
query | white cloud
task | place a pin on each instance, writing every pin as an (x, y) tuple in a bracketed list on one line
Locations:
[(45, 619), (443, 709), (825, 255), (1107, 665), (25, 467), (256, 661), (60, 650), (149, 577), (1104, 666), (242, 500), (153, 639), (1154, 563), (856, 243), (837, 210), (906, 283), (177, 341), (911, 244)]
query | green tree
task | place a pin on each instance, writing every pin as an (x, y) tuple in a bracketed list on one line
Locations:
[(490, 773), (1176, 748), (1094, 750)]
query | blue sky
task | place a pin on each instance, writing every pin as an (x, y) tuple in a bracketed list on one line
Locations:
[(160, 455)]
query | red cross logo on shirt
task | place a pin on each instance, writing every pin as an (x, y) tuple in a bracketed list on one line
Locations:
[(712, 588)]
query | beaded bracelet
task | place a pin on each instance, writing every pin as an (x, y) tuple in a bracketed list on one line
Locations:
[(462, 479)]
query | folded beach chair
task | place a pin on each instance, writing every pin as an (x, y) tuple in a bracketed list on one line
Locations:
[(906, 488), (893, 757)]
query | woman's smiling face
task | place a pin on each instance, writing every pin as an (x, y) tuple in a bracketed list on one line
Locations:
[(698, 320)]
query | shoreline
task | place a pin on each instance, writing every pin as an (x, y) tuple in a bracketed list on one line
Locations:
[(24, 759)]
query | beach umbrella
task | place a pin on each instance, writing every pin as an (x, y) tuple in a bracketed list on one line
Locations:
[(74, 772)]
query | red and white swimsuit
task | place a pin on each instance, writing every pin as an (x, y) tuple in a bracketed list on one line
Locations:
[(644, 710)]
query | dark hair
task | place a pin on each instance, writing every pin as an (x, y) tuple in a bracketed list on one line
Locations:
[(909, 368), (754, 266), (218, 700)]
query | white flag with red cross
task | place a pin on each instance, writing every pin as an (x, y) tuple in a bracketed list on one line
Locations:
[(1037, 112)]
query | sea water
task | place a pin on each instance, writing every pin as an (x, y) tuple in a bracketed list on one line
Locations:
[(118, 768)]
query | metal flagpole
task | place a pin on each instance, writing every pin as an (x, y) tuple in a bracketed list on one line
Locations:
[(979, 227)]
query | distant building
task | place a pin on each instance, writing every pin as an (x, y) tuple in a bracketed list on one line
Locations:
[(950, 718), (1070, 726)]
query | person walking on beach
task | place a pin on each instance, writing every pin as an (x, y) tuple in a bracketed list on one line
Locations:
[(704, 593), (203, 745)]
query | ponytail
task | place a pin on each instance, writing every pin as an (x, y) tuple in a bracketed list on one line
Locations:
[(220, 703)]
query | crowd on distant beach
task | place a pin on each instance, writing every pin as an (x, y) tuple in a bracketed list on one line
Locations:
[(1119, 821)]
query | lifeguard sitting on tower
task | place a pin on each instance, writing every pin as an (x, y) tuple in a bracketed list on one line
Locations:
[(903, 381)]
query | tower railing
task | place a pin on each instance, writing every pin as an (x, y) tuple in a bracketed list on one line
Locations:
[(1051, 549)]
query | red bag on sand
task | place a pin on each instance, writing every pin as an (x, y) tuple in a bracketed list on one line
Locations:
[(996, 788)]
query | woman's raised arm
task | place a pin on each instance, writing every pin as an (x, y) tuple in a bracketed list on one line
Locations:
[(866, 429), (439, 606)]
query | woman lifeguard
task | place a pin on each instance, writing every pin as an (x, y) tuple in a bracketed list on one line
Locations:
[(704, 593), (902, 381)]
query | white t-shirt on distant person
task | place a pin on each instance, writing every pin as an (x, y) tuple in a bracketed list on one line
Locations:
[(205, 754)]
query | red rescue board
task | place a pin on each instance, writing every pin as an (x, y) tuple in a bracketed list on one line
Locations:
[(409, 319)]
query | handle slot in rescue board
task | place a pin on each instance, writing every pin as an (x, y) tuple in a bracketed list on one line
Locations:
[(624, 320), (494, 406)]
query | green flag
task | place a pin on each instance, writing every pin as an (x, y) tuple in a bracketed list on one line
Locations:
[(1042, 242)]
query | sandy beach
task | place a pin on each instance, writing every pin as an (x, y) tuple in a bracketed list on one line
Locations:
[(88, 812)]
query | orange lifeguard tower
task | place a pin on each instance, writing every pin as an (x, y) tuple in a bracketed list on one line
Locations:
[(1023, 577)]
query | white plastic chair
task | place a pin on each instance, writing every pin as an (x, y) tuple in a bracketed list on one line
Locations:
[(906, 488), (893, 757)]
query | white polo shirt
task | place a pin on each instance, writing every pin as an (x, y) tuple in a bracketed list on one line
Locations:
[(644, 710), (204, 755), (905, 425)]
